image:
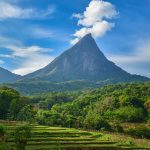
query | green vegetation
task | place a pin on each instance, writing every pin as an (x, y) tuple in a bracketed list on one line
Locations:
[(21, 136), (3, 137), (34, 87), (140, 131), (97, 109), (12, 104), (114, 109), (2, 131), (56, 138)]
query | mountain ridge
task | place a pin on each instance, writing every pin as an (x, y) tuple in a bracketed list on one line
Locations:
[(83, 61)]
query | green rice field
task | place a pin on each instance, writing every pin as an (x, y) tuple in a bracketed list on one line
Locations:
[(58, 138)]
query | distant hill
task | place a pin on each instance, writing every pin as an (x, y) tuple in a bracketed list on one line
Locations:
[(7, 76)]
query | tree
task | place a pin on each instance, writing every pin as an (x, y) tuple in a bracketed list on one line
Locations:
[(129, 114), (6, 96), (95, 121), (70, 121), (26, 114), (16, 106), (2, 133), (22, 135), (126, 100)]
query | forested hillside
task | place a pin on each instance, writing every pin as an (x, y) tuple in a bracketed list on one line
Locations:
[(114, 103), (103, 108)]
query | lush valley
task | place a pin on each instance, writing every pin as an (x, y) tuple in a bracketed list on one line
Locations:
[(73, 92), (116, 109), (74, 75)]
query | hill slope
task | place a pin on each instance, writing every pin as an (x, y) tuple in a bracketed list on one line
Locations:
[(6, 76)]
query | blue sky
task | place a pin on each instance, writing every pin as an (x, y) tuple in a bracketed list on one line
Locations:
[(34, 32)]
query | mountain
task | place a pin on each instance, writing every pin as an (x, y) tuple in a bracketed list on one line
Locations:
[(83, 66), (7, 76), (83, 61)]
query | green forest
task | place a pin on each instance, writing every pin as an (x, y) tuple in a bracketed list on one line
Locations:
[(104, 108)]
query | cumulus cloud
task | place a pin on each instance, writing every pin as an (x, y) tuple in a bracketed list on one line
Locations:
[(9, 10), (95, 19), (26, 58)]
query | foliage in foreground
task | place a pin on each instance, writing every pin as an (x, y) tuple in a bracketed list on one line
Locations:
[(96, 109), (2, 130), (21, 135), (45, 137), (13, 106), (140, 131)]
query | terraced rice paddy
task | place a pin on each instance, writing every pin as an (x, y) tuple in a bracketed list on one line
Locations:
[(57, 138)]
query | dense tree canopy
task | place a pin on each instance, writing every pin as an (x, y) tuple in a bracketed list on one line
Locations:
[(11, 102), (96, 108)]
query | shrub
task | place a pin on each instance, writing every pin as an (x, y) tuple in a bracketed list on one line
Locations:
[(117, 128), (140, 131), (2, 134), (3, 146), (22, 134), (2, 130), (95, 121), (129, 142)]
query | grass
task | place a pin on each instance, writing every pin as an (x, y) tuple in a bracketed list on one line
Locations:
[(47, 138)]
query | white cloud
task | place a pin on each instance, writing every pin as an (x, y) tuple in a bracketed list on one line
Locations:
[(4, 41), (32, 58), (100, 28), (26, 58), (8, 10), (79, 16), (137, 62), (26, 51), (39, 33), (74, 41), (93, 20), (33, 63)]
